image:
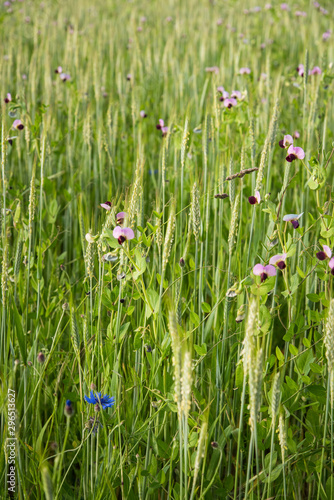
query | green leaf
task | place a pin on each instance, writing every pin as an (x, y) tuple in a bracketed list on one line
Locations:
[(19, 333), (206, 307), (201, 350)]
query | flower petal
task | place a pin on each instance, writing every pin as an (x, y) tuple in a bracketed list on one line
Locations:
[(258, 269), (270, 270)]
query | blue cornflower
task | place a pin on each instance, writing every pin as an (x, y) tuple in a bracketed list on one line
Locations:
[(69, 410), (98, 400)]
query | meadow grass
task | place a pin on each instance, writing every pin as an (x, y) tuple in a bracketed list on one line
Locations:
[(222, 378)]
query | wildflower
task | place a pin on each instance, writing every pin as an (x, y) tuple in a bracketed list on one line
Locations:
[(225, 95), (268, 6), (59, 70), (286, 141), (315, 71), (326, 35), (8, 98), (244, 71), (65, 77), (264, 271), (300, 70), (236, 94), (93, 424), (100, 401), (143, 114), (129, 77), (331, 265), (278, 260), (323, 11), (300, 13), (325, 254), (284, 6), (120, 217), (295, 153), (229, 103), (221, 89), (219, 21), (253, 200), (161, 126), (106, 205), (169, 19), (293, 218), (69, 410), (123, 233), (296, 134), (90, 238), (40, 358), (212, 69), (18, 125)]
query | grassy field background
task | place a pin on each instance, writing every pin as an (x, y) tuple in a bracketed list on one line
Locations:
[(222, 380)]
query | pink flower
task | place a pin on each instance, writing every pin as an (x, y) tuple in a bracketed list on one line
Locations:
[(331, 265), (325, 254), (212, 69), (129, 77), (295, 153), (296, 134), (219, 21), (278, 260), (8, 98), (268, 6), (18, 125), (300, 13), (229, 103), (286, 141), (264, 271), (236, 94), (65, 77), (323, 11), (59, 70), (300, 70), (253, 200), (326, 35), (120, 217), (106, 205), (143, 114), (161, 126), (123, 233), (225, 95), (293, 218), (315, 71), (244, 71), (220, 89), (284, 6)]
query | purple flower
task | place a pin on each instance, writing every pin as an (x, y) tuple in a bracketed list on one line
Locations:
[(120, 217), (255, 199), (278, 260), (229, 103), (59, 70), (296, 134), (212, 69), (286, 141), (315, 71), (225, 95), (284, 6), (293, 218), (264, 271), (323, 11), (18, 125), (300, 70), (123, 233), (300, 13), (325, 254), (129, 77), (268, 6), (326, 35), (8, 98), (219, 21), (65, 77), (161, 124), (106, 205), (236, 94), (143, 114), (244, 71), (220, 89), (331, 265), (295, 153)]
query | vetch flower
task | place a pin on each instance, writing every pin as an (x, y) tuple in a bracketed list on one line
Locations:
[(253, 200), (293, 218), (129, 77), (18, 125), (161, 126), (315, 71), (295, 153), (212, 69), (300, 13), (325, 254), (59, 70), (8, 98), (90, 238), (264, 271), (278, 260), (326, 35), (284, 6), (225, 95), (286, 141), (220, 89), (120, 217), (244, 71), (65, 77), (300, 70), (106, 205), (143, 114), (100, 401), (123, 233), (296, 134), (236, 94), (331, 265), (229, 103)]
